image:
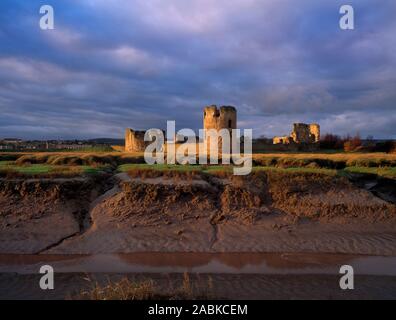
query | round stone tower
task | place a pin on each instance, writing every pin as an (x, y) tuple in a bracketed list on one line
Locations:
[(218, 119), (225, 118)]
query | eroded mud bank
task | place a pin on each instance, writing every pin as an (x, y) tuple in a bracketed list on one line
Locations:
[(36, 214), (265, 212)]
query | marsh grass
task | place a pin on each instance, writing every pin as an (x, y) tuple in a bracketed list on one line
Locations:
[(382, 172), (330, 172), (133, 163), (339, 160), (217, 170), (159, 167), (10, 169), (189, 172), (75, 158), (177, 173), (324, 160), (126, 289)]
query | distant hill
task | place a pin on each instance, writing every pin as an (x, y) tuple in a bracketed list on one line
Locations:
[(110, 141)]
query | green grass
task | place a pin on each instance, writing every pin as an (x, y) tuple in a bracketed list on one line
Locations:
[(389, 172), (179, 168), (158, 167), (217, 168), (67, 169), (383, 172), (213, 169), (38, 169), (284, 160), (297, 169), (89, 169), (33, 169)]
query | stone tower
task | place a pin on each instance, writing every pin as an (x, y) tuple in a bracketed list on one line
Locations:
[(217, 119), (225, 118), (134, 141), (314, 129)]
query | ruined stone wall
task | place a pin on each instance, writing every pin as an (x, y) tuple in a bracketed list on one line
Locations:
[(314, 129), (301, 133), (217, 119), (225, 118), (282, 140), (134, 141)]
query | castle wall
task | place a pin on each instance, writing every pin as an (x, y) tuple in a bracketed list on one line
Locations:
[(282, 140), (314, 129), (223, 118), (307, 134), (134, 141), (217, 119), (301, 133)]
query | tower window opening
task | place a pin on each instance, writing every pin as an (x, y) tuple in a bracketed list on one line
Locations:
[(229, 124)]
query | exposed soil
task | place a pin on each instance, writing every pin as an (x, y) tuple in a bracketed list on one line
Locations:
[(327, 198), (36, 214), (383, 188), (264, 212)]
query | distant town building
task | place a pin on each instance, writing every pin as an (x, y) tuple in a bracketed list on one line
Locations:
[(11, 141), (21, 145)]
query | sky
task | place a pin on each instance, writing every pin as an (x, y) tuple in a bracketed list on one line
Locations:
[(113, 64)]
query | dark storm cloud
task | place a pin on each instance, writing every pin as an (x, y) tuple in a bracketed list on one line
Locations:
[(114, 64)]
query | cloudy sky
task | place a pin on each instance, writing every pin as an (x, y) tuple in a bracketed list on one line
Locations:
[(112, 64)]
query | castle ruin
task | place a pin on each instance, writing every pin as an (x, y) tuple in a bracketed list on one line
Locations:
[(223, 118), (282, 140), (303, 137), (134, 141), (314, 128), (302, 134)]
